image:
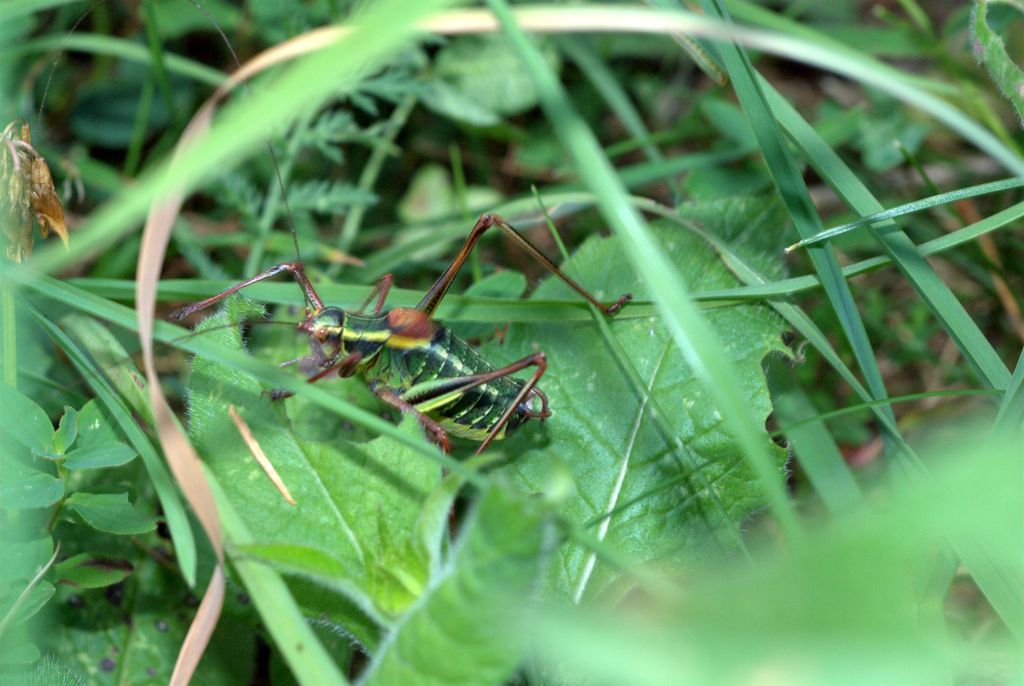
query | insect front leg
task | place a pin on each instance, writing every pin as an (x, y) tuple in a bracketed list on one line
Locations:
[(345, 367), (296, 270)]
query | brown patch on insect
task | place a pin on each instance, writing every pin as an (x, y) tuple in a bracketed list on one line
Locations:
[(26, 191), (409, 323)]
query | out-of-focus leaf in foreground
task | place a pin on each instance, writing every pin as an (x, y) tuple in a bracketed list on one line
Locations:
[(468, 629), (853, 607)]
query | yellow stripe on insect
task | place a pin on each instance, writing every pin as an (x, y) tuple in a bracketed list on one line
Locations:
[(468, 432), (406, 342), (371, 336)]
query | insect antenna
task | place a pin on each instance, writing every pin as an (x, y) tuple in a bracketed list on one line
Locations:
[(56, 60), (234, 56), (270, 146), (173, 343)]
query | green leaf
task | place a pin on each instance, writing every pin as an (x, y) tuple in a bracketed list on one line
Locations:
[(98, 430), (660, 507), (92, 571), (24, 487), (131, 633), (32, 603), (431, 196), (47, 672), (95, 427), (356, 503), (66, 433), (472, 614), (478, 80), (18, 654), (507, 284), (105, 455), (25, 420), (22, 559), (110, 512)]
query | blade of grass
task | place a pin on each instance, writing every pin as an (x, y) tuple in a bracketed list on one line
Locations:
[(911, 207), (157, 59), (461, 308), (96, 44), (900, 249), (371, 171), (893, 400), (936, 246), (302, 650), (757, 15), (607, 85), (795, 196), (1010, 417), (812, 442), (695, 339)]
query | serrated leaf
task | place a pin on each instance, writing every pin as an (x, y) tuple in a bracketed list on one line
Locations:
[(104, 455), (327, 197), (92, 571), (320, 569), (356, 503), (24, 420), (110, 512), (67, 431), (623, 465), (471, 615)]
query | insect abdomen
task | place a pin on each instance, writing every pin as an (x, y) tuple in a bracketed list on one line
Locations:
[(473, 413)]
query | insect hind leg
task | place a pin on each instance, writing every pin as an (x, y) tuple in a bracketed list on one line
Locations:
[(433, 297), (529, 390), (436, 433)]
